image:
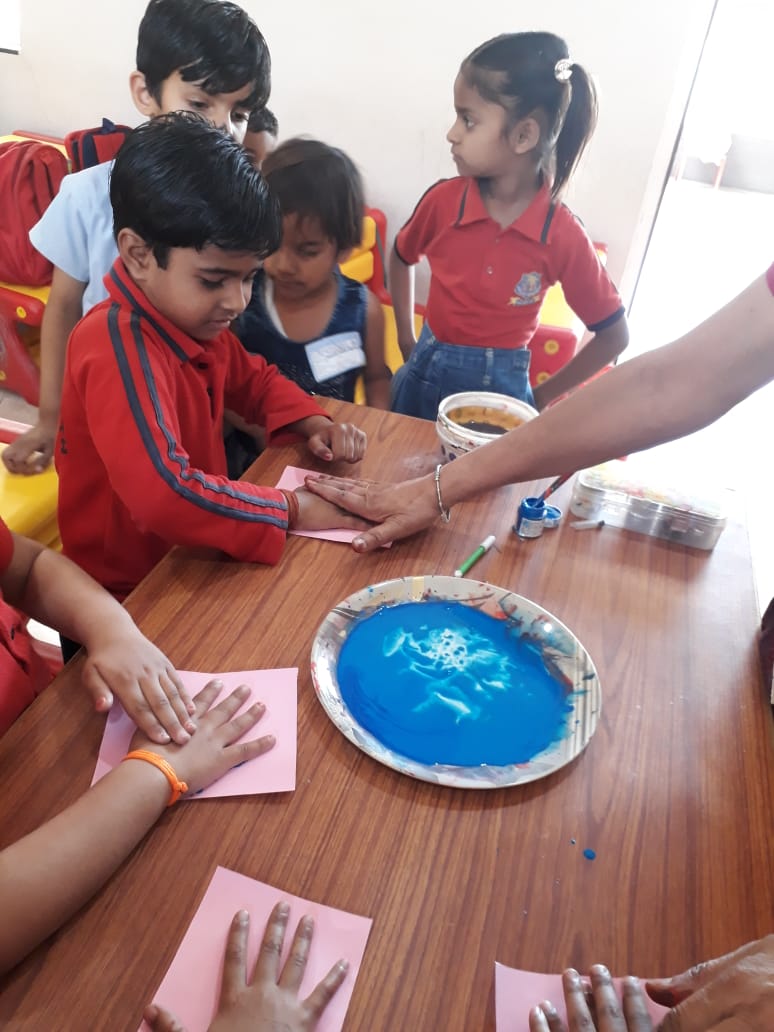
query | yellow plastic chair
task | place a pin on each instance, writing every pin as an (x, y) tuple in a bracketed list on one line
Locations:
[(28, 504)]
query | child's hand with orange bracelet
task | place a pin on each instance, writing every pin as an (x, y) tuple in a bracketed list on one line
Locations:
[(215, 748)]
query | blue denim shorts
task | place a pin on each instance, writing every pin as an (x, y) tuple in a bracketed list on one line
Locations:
[(436, 370)]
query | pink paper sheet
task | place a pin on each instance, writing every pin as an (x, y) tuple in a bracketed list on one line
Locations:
[(293, 477), (275, 771), (517, 992), (191, 986)]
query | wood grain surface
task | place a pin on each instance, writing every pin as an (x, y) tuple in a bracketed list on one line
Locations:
[(675, 792)]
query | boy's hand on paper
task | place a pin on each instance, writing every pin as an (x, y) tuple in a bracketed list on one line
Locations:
[(317, 514), (734, 993), (398, 509), (271, 1000), (122, 662), (215, 748), (598, 1008), (334, 441)]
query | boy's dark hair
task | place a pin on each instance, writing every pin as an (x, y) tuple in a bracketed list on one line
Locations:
[(311, 179), (263, 121), (521, 72), (212, 42), (180, 182)]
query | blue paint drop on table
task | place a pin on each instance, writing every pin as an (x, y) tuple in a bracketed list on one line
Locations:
[(441, 682), (589, 854)]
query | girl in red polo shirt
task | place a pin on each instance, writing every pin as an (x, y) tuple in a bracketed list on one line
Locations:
[(497, 237)]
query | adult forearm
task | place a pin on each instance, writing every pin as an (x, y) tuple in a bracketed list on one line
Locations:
[(660, 396), (46, 876)]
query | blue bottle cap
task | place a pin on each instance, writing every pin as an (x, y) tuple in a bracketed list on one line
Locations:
[(552, 516)]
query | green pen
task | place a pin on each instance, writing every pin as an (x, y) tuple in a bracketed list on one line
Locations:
[(482, 549)]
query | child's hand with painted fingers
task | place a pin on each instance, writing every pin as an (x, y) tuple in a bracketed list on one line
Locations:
[(215, 748), (124, 664), (315, 513), (271, 1001), (597, 1008), (338, 441), (734, 993)]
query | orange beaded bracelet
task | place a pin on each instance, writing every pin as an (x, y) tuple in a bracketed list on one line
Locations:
[(177, 786)]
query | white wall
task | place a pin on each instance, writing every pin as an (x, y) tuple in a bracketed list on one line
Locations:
[(378, 83)]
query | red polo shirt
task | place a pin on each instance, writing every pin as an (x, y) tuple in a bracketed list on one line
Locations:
[(488, 283), (140, 451), (23, 673)]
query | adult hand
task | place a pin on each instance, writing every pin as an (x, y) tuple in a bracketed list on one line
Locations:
[(338, 441), (122, 662), (215, 748), (398, 509), (317, 514), (600, 1009), (32, 451), (734, 993), (271, 1002)]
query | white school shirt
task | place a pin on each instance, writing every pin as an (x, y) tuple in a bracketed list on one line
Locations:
[(76, 230)]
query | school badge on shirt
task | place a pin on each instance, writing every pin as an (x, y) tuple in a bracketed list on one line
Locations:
[(527, 290)]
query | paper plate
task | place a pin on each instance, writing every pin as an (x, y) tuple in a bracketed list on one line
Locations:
[(527, 630)]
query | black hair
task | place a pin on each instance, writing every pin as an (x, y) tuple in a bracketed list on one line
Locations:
[(178, 181), (309, 178), (529, 73), (263, 121), (212, 42)]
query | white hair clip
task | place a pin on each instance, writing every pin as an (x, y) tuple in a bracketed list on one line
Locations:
[(563, 69)]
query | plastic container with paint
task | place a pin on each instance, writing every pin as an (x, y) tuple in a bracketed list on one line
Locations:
[(472, 418), (633, 498), (530, 518)]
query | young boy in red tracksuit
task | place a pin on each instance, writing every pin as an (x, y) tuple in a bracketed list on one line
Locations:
[(149, 371)]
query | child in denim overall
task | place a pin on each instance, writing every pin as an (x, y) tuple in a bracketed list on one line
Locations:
[(497, 238), (320, 328)]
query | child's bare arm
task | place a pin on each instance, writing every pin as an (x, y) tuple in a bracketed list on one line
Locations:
[(377, 375), (32, 452), (402, 290), (121, 661), (46, 876), (602, 350)]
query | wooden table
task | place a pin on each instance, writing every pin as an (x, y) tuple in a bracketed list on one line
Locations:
[(675, 792)]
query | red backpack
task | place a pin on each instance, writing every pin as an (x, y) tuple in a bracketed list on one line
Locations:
[(89, 147), (30, 175)]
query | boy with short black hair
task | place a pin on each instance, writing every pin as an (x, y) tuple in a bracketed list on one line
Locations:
[(261, 136), (140, 450), (206, 56)]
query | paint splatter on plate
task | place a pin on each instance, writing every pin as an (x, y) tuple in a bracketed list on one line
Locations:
[(456, 682)]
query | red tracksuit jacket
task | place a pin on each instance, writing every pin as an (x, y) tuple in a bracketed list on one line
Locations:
[(140, 452)]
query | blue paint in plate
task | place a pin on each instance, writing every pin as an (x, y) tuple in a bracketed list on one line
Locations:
[(443, 683)]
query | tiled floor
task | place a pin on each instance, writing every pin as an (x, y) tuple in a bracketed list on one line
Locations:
[(14, 407), (707, 246)]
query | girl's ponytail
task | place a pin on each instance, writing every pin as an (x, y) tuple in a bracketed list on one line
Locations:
[(531, 72), (580, 120)]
